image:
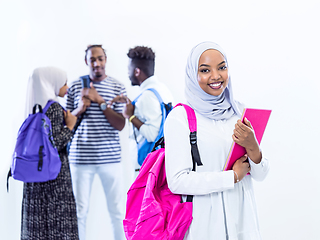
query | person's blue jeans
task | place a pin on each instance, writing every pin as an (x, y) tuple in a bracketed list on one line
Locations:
[(110, 175)]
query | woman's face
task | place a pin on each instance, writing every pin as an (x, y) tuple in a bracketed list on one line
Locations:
[(63, 90), (213, 76)]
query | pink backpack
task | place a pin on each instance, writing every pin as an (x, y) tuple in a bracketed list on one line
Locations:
[(153, 211)]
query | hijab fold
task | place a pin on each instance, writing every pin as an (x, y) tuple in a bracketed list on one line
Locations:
[(213, 107), (44, 84)]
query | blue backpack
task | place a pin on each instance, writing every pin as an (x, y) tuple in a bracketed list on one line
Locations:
[(145, 147), (35, 157)]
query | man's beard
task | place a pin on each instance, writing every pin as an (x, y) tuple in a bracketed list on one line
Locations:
[(98, 75), (134, 81)]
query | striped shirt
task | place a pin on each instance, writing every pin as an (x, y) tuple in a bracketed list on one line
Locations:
[(95, 141)]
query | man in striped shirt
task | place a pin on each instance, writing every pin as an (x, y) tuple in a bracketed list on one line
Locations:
[(95, 148)]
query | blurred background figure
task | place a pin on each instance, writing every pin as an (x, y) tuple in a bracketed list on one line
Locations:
[(145, 115), (49, 208), (95, 148)]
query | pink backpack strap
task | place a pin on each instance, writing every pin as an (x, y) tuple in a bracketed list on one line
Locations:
[(191, 117), (192, 120)]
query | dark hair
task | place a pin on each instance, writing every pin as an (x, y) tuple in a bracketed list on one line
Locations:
[(93, 46), (142, 58)]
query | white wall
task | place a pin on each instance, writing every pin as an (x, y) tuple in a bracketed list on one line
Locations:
[(272, 48)]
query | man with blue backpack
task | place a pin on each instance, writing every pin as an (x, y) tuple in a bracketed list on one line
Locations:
[(148, 111)]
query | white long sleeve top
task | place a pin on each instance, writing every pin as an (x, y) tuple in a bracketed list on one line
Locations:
[(221, 209), (147, 109)]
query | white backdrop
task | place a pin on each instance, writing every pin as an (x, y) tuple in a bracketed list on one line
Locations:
[(272, 48)]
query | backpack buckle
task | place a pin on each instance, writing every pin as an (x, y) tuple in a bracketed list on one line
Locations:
[(193, 138)]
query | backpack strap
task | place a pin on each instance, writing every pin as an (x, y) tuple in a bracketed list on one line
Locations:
[(157, 94), (167, 106), (163, 109), (48, 105), (8, 176), (192, 121), (152, 90), (85, 81), (34, 109)]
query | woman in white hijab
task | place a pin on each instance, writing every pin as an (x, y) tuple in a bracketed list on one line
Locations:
[(223, 203), (48, 208)]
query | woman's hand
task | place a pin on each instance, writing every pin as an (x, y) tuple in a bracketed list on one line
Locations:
[(69, 119), (244, 135), (84, 103), (241, 167)]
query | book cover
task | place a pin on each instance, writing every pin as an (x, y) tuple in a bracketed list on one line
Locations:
[(258, 119)]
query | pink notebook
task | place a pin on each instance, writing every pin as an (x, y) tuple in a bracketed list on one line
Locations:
[(259, 119)]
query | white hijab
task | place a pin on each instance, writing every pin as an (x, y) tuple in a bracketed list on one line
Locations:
[(213, 107), (44, 85)]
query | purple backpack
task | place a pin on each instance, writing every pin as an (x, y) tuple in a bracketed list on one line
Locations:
[(35, 157), (153, 212)]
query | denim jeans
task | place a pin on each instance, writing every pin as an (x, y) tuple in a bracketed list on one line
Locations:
[(110, 175)]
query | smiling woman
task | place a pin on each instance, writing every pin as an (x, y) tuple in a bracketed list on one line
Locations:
[(223, 206), (267, 44), (213, 76)]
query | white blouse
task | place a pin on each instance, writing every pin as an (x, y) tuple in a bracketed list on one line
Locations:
[(222, 210)]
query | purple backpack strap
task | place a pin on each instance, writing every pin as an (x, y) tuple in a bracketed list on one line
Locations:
[(48, 105)]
